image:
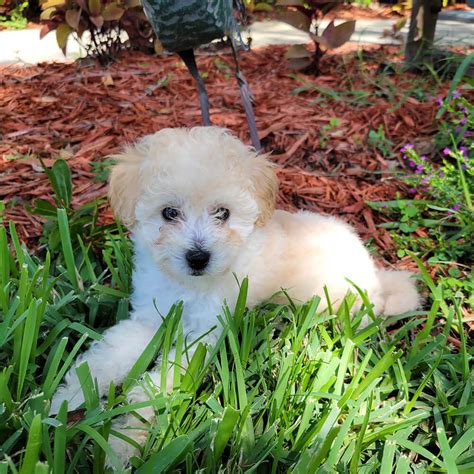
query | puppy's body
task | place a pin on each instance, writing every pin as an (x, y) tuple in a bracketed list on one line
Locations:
[(201, 208), (301, 253)]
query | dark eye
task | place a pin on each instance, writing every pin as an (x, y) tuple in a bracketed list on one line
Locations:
[(222, 214), (170, 213)]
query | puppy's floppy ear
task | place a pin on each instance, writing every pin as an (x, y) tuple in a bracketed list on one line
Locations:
[(265, 184), (125, 185)]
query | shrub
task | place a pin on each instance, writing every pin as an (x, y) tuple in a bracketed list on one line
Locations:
[(306, 15), (105, 21), (14, 16)]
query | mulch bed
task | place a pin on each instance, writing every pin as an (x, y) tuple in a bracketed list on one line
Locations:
[(83, 113)]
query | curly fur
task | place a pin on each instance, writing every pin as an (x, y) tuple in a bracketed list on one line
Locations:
[(197, 171)]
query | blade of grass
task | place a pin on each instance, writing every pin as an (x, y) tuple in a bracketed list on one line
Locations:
[(33, 446)]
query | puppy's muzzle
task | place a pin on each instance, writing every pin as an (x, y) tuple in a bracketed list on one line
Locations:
[(197, 260)]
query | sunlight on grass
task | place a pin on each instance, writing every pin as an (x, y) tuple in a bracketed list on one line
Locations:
[(286, 388)]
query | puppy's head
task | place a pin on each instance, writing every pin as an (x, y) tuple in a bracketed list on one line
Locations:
[(193, 196)]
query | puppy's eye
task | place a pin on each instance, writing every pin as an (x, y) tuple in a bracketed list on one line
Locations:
[(170, 213), (222, 214)]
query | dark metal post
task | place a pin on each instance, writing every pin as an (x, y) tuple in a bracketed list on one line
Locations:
[(188, 57)]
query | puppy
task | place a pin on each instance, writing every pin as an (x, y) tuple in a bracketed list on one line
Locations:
[(200, 205)]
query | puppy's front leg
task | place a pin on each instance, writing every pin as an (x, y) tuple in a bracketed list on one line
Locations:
[(109, 360), (135, 427)]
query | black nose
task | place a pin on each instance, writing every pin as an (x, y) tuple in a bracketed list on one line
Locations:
[(197, 259)]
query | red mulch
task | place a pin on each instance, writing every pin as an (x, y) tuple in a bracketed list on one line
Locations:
[(83, 113)]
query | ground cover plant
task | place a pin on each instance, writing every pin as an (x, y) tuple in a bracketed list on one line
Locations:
[(288, 388), (443, 180)]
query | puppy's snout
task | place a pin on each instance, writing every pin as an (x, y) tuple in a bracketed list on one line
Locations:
[(198, 259)]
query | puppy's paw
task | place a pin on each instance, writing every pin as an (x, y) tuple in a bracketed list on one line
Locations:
[(71, 393)]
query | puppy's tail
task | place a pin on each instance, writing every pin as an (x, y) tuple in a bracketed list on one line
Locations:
[(399, 292)]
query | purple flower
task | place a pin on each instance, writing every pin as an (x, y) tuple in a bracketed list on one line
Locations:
[(408, 146), (446, 151), (425, 180), (463, 121), (439, 100), (419, 169), (456, 207), (456, 94), (463, 150), (423, 158), (467, 134), (458, 130), (412, 191), (411, 164)]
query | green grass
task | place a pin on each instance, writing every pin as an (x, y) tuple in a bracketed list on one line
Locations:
[(286, 389)]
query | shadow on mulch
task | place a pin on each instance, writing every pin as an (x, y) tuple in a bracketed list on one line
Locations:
[(83, 113)]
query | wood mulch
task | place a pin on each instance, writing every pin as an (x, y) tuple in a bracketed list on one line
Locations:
[(83, 113)]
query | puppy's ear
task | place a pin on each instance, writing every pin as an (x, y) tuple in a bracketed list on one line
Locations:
[(125, 185), (266, 187)]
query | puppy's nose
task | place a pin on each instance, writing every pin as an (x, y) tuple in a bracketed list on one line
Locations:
[(197, 258)]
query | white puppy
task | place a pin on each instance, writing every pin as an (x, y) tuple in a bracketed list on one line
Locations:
[(201, 207)]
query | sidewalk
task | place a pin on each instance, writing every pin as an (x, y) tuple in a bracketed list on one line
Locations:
[(25, 47), (453, 27)]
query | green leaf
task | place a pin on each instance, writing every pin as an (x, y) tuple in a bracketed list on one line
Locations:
[(51, 3), (448, 456), (291, 3), (170, 456), (46, 15), (72, 19), (95, 7), (380, 367), (59, 175), (99, 439), (225, 430), (62, 33), (112, 12), (60, 439), (297, 19), (33, 446), (66, 246), (263, 7), (98, 21), (335, 36), (297, 51)]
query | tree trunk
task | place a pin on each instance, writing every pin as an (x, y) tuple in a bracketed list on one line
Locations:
[(421, 33)]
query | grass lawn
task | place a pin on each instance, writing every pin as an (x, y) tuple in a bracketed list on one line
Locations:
[(287, 388)]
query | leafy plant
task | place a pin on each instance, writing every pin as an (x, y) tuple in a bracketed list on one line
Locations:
[(439, 226), (306, 16), (377, 139), (256, 6), (352, 97), (325, 132), (104, 21), (82, 221), (16, 18)]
